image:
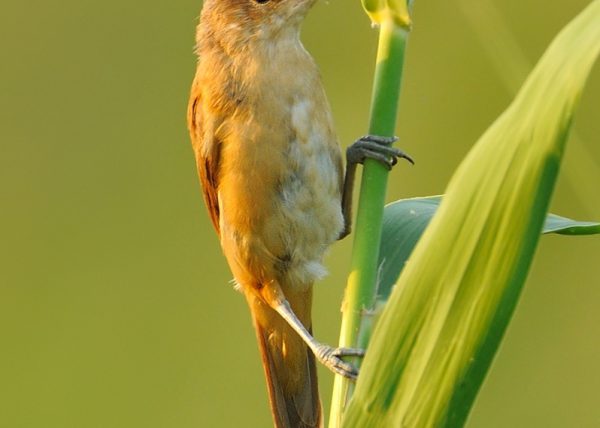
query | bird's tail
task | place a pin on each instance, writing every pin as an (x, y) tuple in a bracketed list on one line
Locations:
[(289, 364)]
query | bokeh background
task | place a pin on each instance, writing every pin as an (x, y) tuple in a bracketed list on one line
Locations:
[(115, 307)]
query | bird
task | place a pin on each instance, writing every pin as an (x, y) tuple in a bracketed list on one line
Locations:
[(274, 183)]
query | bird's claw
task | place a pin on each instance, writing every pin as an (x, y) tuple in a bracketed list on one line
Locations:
[(378, 148), (332, 359)]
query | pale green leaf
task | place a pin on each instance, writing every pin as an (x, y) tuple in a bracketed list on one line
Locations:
[(448, 311), (405, 221)]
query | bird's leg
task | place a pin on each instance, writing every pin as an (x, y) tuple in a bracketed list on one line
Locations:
[(329, 356), (373, 147), (368, 147)]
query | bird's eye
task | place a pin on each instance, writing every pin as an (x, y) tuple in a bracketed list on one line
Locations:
[(261, 1)]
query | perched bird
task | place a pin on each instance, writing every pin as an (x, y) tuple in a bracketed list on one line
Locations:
[(274, 183)]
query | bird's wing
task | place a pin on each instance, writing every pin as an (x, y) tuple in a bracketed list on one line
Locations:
[(207, 149)]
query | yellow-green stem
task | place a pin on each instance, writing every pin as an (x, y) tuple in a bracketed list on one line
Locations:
[(362, 288)]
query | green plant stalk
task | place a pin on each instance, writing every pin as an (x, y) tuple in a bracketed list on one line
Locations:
[(361, 288)]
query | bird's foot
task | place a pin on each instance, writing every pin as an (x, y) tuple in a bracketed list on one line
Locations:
[(331, 358), (378, 148)]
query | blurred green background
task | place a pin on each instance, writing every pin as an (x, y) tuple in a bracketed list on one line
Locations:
[(115, 307)]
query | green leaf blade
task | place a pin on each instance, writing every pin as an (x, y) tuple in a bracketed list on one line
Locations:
[(566, 226), (449, 309), (404, 222)]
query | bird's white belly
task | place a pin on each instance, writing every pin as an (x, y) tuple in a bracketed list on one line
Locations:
[(310, 196)]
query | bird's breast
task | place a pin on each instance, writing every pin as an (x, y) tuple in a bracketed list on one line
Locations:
[(280, 174), (280, 192)]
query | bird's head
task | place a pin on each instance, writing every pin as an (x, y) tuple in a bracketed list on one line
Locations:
[(243, 21)]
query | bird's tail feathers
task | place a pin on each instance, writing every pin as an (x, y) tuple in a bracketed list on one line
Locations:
[(290, 371)]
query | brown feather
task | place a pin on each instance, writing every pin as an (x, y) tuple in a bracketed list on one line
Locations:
[(207, 165), (290, 367)]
